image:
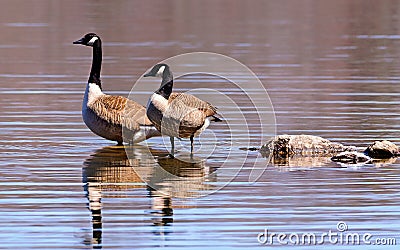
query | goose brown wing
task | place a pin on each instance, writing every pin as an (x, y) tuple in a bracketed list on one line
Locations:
[(193, 102), (120, 110), (189, 110)]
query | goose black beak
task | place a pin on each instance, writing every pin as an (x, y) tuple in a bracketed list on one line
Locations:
[(80, 41), (147, 75)]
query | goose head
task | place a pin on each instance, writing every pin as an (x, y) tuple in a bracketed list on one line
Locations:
[(159, 70), (88, 40)]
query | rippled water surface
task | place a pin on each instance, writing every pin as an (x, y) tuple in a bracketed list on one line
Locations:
[(331, 68)]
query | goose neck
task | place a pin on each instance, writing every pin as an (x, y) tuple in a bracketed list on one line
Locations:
[(94, 76), (166, 85)]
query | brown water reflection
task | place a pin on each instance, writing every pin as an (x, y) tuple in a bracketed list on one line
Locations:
[(331, 68), (109, 173)]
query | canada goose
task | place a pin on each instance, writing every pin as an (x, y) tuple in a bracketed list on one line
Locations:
[(177, 114), (106, 115)]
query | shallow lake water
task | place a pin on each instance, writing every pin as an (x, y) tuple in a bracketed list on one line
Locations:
[(331, 69)]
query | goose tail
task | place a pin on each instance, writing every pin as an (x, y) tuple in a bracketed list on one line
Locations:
[(215, 118)]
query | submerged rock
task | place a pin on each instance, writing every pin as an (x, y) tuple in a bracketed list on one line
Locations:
[(308, 145), (382, 150), (377, 150), (290, 149), (351, 157)]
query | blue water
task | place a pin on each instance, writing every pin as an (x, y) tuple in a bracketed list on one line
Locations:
[(330, 68)]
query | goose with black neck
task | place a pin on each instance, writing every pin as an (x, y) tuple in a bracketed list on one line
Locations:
[(107, 115), (178, 115)]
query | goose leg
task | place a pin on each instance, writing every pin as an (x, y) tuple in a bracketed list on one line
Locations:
[(191, 145), (171, 139)]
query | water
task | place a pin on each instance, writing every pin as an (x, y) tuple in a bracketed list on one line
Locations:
[(330, 68)]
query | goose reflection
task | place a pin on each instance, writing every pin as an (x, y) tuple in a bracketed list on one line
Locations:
[(110, 169)]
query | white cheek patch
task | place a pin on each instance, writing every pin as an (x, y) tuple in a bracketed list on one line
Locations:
[(94, 39), (160, 71)]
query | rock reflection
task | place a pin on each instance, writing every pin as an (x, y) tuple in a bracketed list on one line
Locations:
[(378, 163), (110, 169), (309, 162), (301, 161)]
